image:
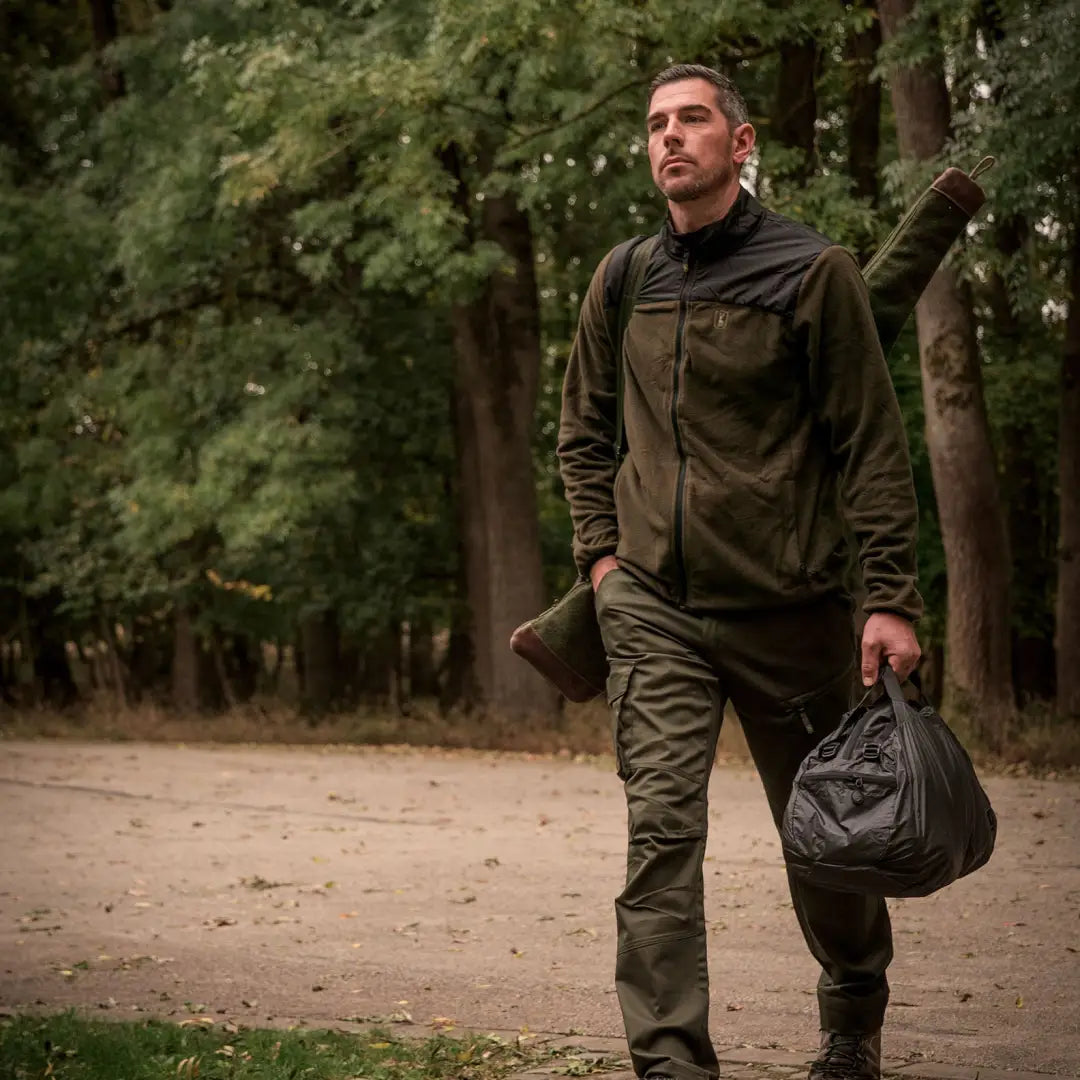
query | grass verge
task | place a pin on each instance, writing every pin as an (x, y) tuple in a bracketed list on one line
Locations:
[(66, 1047)]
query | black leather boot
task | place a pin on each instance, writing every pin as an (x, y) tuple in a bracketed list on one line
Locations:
[(847, 1057)]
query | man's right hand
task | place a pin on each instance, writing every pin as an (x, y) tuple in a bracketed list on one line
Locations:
[(600, 568)]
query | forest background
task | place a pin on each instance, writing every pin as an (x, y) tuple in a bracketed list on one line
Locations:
[(287, 290)]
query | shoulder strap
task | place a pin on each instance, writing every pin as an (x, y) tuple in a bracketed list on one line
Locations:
[(635, 274)]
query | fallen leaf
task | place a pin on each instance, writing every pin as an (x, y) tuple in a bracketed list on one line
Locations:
[(734, 1008)]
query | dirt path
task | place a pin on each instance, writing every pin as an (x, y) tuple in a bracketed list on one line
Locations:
[(273, 883)]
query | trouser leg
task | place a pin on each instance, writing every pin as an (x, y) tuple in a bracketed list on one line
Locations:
[(666, 708), (802, 677)]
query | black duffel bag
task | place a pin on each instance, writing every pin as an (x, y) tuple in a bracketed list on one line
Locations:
[(888, 804)]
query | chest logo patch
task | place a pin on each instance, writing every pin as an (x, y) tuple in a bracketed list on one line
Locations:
[(721, 320)]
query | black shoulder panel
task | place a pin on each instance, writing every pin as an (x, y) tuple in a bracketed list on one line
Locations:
[(765, 272), (768, 271)]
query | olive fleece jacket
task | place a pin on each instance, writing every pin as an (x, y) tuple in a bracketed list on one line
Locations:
[(761, 423)]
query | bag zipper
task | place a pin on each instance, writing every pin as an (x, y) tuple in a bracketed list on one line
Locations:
[(857, 778)]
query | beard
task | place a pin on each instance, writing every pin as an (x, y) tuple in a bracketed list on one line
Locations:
[(679, 189)]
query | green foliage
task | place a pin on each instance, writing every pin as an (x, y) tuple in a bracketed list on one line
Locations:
[(225, 296)]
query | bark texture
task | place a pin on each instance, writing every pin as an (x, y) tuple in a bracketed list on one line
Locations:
[(423, 675), (864, 108), (795, 108), (497, 370), (978, 677), (1068, 590), (320, 647), (194, 681)]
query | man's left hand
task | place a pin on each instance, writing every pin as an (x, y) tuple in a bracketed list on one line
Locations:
[(888, 637)]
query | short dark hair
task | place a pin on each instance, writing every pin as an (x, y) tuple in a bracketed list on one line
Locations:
[(730, 101)]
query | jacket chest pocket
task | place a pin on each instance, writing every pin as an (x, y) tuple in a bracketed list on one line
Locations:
[(740, 350)]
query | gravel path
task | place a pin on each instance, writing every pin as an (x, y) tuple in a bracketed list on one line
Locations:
[(429, 887)]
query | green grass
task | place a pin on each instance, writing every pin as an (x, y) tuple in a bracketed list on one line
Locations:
[(65, 1047)]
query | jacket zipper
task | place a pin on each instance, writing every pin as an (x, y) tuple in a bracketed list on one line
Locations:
[(680, 484)]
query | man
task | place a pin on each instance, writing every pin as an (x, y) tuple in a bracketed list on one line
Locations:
[(762, 429)]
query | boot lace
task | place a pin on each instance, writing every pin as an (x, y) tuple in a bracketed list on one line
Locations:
[(844, 1056)]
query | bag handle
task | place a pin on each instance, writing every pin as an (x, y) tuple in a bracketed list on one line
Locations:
[(892, 688), (635, 274)]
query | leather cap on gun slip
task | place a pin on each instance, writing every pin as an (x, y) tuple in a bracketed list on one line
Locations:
[(563, 643)]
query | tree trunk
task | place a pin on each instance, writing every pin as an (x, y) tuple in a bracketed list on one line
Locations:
[(978, 676), (150, 653), (380, 668), (1027, 492), (218, 656), (458, 685), (423, 681), (187, 665), (47, 648), (864, 108), (795, 107), (497, 367), (114, 663), (321, 653), (244, 665), (1068, 589)]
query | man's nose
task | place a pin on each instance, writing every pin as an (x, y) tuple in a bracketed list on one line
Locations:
[(673, 134)]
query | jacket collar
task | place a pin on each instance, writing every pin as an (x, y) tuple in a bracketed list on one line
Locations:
[(718, 237)]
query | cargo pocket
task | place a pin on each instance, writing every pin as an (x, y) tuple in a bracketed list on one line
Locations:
[(618, 683)]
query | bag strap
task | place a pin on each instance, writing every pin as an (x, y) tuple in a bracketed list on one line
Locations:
[(635, 274)]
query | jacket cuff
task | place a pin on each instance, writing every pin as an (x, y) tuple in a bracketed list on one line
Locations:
[(585, 557), (880, 609)]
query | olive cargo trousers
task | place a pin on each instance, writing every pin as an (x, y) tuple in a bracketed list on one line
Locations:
[(789, 675)]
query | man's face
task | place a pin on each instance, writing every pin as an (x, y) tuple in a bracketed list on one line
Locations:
[(690, 145)]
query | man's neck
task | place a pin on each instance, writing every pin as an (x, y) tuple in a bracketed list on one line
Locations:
[(695, 214)]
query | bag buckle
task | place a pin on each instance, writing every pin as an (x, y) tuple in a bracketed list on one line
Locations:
[(827, 751), (871, 752)]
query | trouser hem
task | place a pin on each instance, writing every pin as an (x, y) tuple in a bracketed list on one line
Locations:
[(683, 1070), (845, 1020)]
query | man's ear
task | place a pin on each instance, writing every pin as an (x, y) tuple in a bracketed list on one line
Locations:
[(742, 142)]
